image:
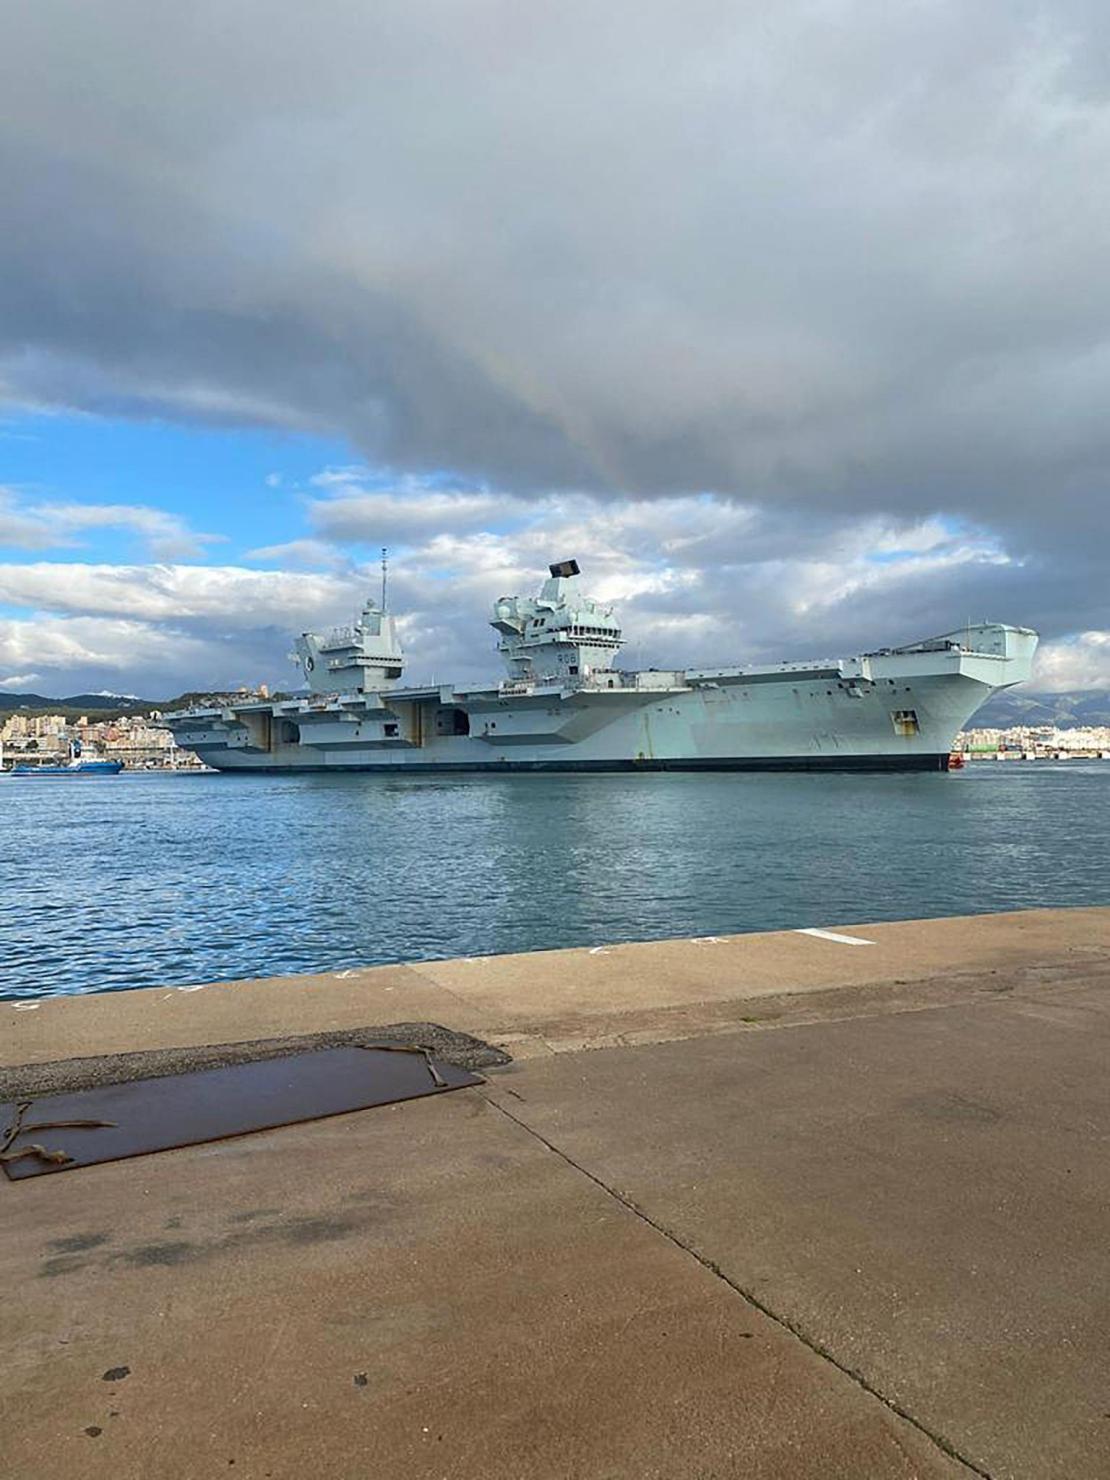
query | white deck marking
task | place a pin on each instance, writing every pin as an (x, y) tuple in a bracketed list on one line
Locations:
[(26, 1006), (844, 940), (599, 950)]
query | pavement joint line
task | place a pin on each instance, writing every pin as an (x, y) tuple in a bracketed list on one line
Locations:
[(783, 1322)]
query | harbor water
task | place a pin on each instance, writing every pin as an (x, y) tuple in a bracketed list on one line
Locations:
[(147, 880)]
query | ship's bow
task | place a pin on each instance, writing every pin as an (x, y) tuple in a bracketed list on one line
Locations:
[(996, 654)]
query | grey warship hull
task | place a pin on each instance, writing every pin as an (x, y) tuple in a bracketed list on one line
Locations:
[(891, 710)]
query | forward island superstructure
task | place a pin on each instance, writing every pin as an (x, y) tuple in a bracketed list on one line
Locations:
[(566, 705)]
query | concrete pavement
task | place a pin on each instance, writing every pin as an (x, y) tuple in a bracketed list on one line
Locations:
[(765, 1206)]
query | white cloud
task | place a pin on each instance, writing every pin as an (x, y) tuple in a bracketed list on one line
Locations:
[(354, 475), (1078, 662), (166, 536), (16, 681), (697, 580), (20, 529), (155, 660), (92, 644), (311, 554), (229, 598), (166, 627), (818, 585), (378, 517), (356, 512), (58, 524)]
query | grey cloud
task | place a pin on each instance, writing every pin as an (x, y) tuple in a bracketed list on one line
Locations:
[(832, 262), (158, 630), (848, 254), (87, 654), (355, 515)]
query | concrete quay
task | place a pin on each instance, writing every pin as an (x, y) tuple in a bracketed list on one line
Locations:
[(787, 1205)]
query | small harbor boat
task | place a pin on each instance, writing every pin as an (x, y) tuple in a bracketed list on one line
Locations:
[(77, 765), (71, 768)]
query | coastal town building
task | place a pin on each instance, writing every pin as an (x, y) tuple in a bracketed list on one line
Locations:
[(1036, 742), (136, 740)]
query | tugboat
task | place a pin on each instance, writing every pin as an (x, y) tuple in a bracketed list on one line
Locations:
[(75, 766)]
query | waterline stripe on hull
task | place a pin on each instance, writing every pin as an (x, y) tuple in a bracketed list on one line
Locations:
[(936, 762)]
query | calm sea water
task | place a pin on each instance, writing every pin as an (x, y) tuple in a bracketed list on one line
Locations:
[(144, 880)]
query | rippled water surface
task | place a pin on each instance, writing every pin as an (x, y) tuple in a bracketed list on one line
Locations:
[(140, 880)]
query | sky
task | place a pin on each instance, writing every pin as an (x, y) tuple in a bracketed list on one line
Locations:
[(791, 323)]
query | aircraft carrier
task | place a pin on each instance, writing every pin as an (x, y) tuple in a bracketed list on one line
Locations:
[(566, 705)]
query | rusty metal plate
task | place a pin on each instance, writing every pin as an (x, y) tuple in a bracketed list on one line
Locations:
[(211, 1104)]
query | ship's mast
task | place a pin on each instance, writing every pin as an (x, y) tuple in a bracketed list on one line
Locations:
[(385, 574)]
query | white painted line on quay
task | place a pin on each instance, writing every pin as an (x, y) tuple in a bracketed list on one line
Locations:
[(844, 940)]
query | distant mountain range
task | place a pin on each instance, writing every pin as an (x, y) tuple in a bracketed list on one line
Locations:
[(36, 701), (1022, 707), (103, 706)]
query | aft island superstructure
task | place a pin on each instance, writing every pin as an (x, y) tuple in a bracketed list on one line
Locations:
[(566, 705)]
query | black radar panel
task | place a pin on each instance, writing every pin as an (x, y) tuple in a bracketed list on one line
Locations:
[(564, 568)]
